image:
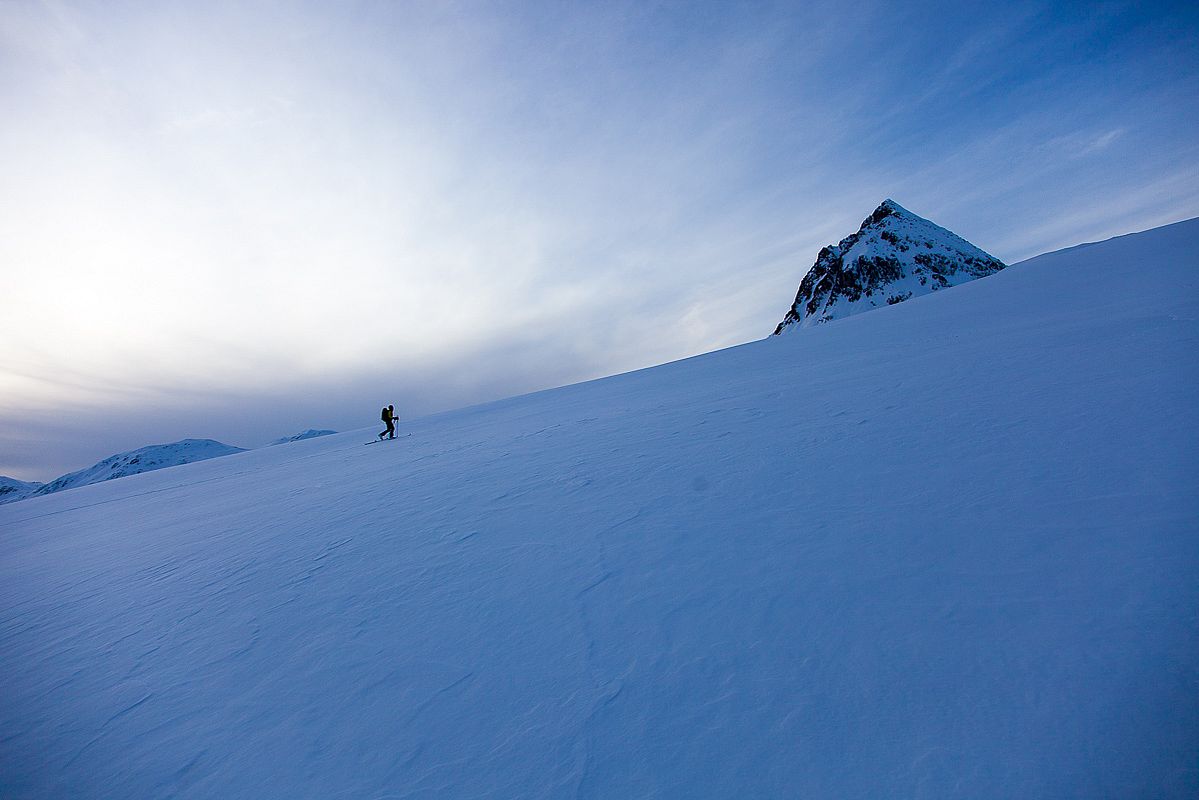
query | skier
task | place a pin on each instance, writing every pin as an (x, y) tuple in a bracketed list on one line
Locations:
[(389, 418)]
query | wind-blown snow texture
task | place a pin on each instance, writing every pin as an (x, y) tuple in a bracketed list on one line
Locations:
[(893, 257), (948, 549), (144, 459)]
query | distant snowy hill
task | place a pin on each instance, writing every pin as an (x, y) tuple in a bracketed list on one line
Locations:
[(893, 257), (964, 563), (299, 437), (144, 459), (12, 489), (134, 462)]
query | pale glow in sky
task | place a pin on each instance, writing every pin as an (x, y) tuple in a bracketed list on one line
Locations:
[(240, 220)]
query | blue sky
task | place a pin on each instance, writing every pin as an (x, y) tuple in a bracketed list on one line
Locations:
[(240, 220)]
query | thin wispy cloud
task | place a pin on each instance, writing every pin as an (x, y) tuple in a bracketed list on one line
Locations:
[(1102, 142)]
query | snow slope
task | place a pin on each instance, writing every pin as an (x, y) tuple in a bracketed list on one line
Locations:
[(12, 489), (894, 256), (947, 549), (144, 459)]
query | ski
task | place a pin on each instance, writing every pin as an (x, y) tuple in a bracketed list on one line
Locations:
[(401, 436)]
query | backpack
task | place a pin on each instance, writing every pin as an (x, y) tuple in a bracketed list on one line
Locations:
[(386, 417)]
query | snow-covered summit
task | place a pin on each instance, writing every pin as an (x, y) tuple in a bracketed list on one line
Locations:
[(895, 256), (144, 459)]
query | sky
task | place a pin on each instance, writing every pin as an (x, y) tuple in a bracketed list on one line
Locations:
[(239, 220)]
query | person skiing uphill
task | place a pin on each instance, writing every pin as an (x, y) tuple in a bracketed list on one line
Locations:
[(389, 418)]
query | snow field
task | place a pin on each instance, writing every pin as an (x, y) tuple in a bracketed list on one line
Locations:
[(948, 548)]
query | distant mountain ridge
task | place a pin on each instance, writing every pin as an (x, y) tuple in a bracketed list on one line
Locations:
[(895, 256), (132, 462), (12, 489), (299, 437), (144, 459)]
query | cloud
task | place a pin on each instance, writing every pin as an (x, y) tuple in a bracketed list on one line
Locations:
[(1101, 142)]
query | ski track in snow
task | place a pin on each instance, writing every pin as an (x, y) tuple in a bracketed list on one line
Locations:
[(944, 549)]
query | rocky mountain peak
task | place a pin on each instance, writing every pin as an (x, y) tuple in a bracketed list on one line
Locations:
[(895, 256)]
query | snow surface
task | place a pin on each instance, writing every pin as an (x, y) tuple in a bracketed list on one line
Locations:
[(947, 549), (135, 462), (299, 437)]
